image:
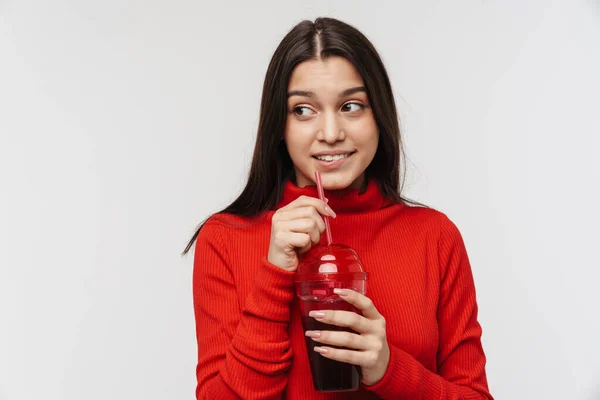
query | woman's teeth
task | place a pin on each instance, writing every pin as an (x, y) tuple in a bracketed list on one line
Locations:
[(332, 158)]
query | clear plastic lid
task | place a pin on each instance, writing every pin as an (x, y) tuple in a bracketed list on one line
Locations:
[(333, 262)]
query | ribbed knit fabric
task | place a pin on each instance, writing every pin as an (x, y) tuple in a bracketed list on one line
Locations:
[(250, 339)]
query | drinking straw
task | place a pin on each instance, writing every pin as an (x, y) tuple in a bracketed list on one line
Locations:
[(322, 197)]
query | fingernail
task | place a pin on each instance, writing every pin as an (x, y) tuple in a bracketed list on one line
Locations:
[(330, 211), (313, 334), (320, 350), (326, 200), (341, 292), (316, 314)]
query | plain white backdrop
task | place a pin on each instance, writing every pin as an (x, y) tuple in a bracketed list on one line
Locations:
[(125, 123)]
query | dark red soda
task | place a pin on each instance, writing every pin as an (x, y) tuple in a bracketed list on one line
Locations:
[(329, 375)]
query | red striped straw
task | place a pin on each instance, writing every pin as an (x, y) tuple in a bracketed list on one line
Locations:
[(322, 197)]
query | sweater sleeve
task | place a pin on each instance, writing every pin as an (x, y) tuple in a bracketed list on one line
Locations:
[(460, 359), (242, 353)]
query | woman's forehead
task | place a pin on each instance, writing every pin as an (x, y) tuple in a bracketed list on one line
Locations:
[(325, 76)]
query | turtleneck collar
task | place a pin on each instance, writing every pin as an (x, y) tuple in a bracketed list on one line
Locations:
[(349, 201)]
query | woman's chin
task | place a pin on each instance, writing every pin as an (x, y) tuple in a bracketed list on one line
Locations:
[(333, 182)]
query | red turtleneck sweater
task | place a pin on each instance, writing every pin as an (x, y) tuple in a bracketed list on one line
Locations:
[(250, 339)]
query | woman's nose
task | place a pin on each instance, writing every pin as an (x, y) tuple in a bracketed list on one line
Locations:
[(331, 129)]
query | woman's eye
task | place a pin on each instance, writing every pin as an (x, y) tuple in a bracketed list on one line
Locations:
[(302, 111), (352, 107)]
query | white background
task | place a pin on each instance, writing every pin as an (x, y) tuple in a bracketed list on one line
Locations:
[(124, 123)]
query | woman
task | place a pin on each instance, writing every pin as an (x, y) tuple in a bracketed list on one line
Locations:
[(327, 106)]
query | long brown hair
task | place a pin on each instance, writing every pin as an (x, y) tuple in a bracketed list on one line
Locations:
[(271, 164)]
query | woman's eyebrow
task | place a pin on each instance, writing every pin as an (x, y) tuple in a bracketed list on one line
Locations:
[(307, 93), (353, 90)]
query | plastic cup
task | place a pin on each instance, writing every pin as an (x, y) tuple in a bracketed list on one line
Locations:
[(321, 270)]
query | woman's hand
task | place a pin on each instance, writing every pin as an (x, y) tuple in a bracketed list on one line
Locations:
[(368, 349), (295, 228)]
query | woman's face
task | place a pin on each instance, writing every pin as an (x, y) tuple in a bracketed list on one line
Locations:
[(330, 125)]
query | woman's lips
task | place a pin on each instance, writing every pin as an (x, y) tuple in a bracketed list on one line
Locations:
[(332, 165)]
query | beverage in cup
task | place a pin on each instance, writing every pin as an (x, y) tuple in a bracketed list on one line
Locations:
[(321, 270)]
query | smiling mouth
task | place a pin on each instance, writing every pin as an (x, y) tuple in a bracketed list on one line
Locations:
[(332, 158)]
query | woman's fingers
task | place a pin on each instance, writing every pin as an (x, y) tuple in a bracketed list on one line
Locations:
[(306, 225), (306, 212), (344, 339), (304, 201), (368, 347), (298, 240), (360, 358), (295, 228), (346, 319), (371, 321), (360, 301)]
